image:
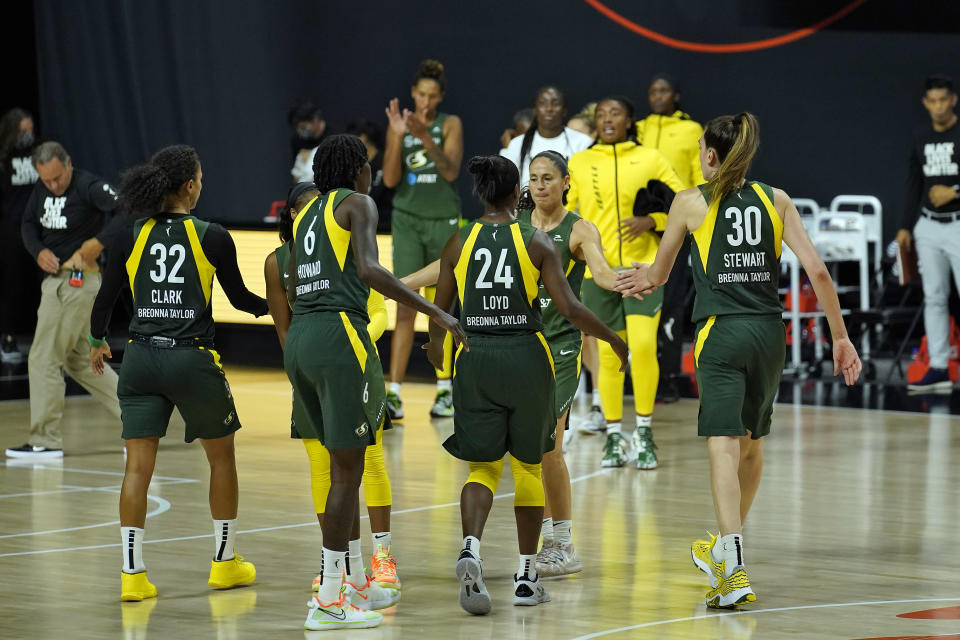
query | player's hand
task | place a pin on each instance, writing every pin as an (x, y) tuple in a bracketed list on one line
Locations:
[(47, 261), (635, 281), (905, 239), (941, 194), (397, 120), (846, 360), (417, 128), (97, 354), (451, 324), (620, 348), (633, 226)]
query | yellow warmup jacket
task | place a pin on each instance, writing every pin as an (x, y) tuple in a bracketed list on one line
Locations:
[(604, 181), (677, 137)]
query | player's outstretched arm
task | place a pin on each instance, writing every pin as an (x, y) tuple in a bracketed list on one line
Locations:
[(446, 291), (361, 213), (545, 257), (426, 277), (845, 358)]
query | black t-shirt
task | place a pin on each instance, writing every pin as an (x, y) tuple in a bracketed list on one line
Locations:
[(17, 178), (63, 223), (934, 158)]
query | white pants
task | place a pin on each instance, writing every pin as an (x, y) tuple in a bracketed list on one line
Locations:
[(938, 252)]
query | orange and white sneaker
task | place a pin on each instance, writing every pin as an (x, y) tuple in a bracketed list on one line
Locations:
[(384, 567), (370, 596), (339, 615)]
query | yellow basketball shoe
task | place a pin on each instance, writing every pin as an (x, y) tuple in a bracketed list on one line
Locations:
[(135, 587), (384, 567), (703, 559), (732, 590), (234, 572)]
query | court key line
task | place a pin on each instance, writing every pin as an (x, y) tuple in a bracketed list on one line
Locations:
[(832, 605), (259, 530)]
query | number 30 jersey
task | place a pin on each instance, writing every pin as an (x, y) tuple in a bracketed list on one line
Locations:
[(171, 278), (496, 281), (736, 254)]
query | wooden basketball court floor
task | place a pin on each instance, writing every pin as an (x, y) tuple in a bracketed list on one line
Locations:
[(853, 533)]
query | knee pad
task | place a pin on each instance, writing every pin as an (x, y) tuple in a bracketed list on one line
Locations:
[(528, 480), (486, 473), (319, 472)]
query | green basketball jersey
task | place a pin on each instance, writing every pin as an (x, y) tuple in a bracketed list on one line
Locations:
[(170, 278), (496, 280), (556, 328), (422, 190), (736, 254), (326, 278)]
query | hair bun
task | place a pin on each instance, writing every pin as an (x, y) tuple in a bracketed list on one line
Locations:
[(431, 68), (480, 165)]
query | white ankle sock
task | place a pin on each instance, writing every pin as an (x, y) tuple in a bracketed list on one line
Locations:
[(224, 532), (562, 531), (394, 387), (445, 385), (354, 567), (381, 539), (595, 398), (528, 566), (613, 427), (132, 538), (546, 529), (332, 575), (472, 545), (644, 421), (729, 549)]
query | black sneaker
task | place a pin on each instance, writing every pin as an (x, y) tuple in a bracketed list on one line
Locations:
[(30, 451), (933, 381), (9, 352)]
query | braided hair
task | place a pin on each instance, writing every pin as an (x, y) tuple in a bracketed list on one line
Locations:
[(338, 160), (494, 178), (144, 188), (529, 133)]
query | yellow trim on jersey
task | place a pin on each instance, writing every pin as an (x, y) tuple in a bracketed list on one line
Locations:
[(463, 262), (216, 357), (774, 218), (338, 236), (455, 356), (133, 262), (702, 338), (579, 360), (296, 220), (546, 348), (570, 268), (703, 234), (355, 342), (529, 274), (204, 268)]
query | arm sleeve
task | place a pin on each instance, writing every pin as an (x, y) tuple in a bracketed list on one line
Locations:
[(30, 226), (914, 191), (377, 310), (222, 253), (113, 282)]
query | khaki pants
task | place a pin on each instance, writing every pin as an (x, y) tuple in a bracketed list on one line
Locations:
[(60, 345)]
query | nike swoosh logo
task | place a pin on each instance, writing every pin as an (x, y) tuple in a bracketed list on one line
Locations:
[(566, 353), (339, 616)]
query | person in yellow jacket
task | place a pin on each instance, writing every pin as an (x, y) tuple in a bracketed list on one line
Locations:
[(604, 181), (673, 133)]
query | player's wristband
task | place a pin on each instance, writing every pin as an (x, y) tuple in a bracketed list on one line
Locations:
[(94, 342)]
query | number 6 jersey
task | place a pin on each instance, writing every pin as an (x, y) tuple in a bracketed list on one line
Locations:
[(496, 281), (735, 255)]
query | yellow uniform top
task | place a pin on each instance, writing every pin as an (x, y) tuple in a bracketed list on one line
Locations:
[(677, 137)]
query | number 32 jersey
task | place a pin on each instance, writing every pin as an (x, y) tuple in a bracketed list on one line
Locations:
[(736, 254), (496, 281)]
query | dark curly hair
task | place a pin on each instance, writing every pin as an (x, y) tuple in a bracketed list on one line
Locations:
[(494, 178), (144, 188), (431, 70), (337, 162)]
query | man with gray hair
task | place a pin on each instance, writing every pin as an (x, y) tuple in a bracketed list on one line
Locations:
[(63, 229)]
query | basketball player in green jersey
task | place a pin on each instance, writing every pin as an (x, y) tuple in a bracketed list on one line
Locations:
[(737, 228), (169, 261), (329, 357), (504, 387), (422, 160)]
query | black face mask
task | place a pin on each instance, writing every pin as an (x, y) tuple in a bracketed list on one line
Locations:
[(25, 140)]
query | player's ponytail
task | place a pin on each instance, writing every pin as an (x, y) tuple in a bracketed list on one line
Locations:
[(144, 188), (735, 139), (494, 178)]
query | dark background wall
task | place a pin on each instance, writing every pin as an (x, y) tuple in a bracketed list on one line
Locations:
[(119, 79)]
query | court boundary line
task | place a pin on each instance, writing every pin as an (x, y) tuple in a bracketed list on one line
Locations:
[(829, 605), (163, 507), (263, 529)]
